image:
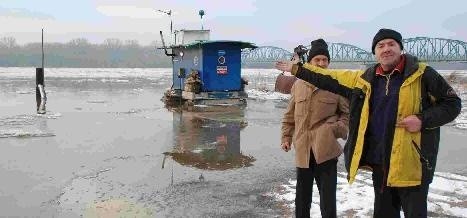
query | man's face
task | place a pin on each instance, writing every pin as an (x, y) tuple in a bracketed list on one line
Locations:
[(320, 61), (388, 52)]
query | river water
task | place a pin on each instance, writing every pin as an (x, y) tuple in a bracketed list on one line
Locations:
[(108, 147)]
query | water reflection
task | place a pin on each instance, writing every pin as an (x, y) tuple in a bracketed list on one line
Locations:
[(209, 140)]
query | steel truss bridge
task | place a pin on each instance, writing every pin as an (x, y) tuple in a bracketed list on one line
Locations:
[(426, 49)]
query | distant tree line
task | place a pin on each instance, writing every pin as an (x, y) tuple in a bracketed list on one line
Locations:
[(79, 52)]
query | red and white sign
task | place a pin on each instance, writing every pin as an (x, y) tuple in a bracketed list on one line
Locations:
[(222, 70)]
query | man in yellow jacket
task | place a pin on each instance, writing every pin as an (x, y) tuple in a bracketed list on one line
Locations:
[(314, 119), (396, 109)]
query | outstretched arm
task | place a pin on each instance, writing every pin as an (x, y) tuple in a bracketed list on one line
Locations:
[(340, 82)]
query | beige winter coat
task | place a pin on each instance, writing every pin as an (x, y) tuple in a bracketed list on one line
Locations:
[(314, 120)]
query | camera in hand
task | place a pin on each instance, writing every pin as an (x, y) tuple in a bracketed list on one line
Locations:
[(301, 50)]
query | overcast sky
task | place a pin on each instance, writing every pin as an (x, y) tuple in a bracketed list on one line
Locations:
[(264, 22)]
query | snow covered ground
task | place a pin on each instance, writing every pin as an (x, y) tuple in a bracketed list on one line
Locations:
[(447, 196)]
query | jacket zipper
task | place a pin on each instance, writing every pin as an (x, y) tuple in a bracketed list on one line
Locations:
[(388, 78), (422, 158)]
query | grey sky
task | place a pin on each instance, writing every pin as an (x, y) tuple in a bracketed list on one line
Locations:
[(264, 22)]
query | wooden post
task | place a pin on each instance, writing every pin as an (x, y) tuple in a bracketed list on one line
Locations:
[(40, 93), (41, 97)]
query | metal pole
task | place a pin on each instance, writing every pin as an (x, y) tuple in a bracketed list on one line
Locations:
[(42, 48), (169, 13), (172, 32), (201, 14), (181, 95)]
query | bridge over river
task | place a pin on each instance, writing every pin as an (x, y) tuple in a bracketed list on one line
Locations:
[(432, 50)]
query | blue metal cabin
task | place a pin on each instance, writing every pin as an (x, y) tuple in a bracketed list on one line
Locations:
[(217, 62), (205, 72)]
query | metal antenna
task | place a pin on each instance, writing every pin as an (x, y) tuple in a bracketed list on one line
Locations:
[(168, 13), (201, 14)]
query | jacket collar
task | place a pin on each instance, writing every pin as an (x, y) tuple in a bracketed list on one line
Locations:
[(398, 69), (411, 65)]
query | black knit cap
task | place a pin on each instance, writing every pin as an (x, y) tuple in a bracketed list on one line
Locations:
[(386, 34), (318, 47)]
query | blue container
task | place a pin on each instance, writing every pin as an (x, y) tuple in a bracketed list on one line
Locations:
[(217, 62)]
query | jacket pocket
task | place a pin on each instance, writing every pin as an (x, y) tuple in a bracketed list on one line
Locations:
[(328, 100), (326, 107), (325, 145), (300, 106)]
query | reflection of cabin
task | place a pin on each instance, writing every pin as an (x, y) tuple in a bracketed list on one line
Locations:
[(204, 69), (209, 140), (208, 131)]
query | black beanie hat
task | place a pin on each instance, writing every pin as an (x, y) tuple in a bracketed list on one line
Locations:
[(318, 47), (386, 34)]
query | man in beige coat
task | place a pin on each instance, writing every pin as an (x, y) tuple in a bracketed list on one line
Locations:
[(313, 121)]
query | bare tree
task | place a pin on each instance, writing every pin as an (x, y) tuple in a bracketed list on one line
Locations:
[(113, 43), (79, 52), (79, 43), (132, 44), (8, 42)]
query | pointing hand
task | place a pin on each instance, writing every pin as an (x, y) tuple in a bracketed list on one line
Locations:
[(284, 66)]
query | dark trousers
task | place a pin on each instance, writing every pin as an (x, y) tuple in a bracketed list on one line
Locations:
[(390, 200), (326, 180)]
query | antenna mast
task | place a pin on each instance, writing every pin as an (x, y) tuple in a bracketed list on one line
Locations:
[(168, 13), (201, 14)]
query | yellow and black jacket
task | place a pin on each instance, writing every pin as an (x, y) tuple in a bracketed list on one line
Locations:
[(411, 156)]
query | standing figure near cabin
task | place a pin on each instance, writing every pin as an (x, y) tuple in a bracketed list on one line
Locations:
[(193, 82), (397, 108), (243, 83), (314, 120)]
